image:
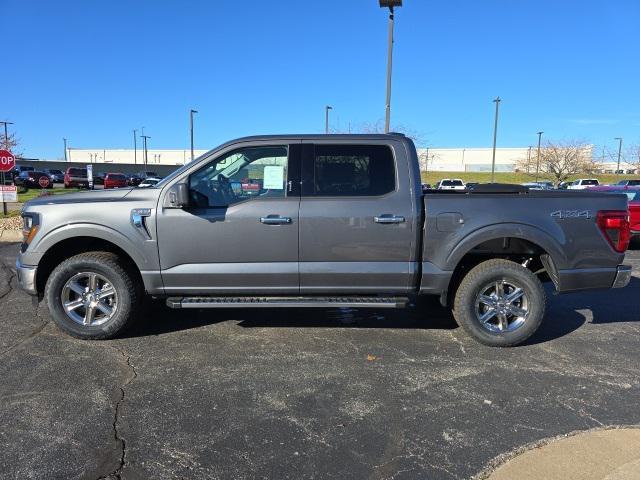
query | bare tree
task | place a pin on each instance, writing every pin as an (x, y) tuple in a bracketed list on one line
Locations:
[(633, 156), (11, 143), (560, 160), (378, 127)]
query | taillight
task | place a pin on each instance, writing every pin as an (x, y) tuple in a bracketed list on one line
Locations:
[(616, 228)]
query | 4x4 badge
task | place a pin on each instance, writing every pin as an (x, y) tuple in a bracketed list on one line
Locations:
[(562, 214)]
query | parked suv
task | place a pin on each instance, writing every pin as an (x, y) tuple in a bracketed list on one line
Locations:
[(136, 179), (583, 183), (76, 177), (31, 179), (336, 221), (55, 175), (115, 180), (451, 184)]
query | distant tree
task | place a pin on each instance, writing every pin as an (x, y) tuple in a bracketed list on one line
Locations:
[(378, 127), (559, 160), (11, 143), (633, 156)]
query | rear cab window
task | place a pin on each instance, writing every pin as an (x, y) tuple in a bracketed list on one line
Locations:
[(350, 171)]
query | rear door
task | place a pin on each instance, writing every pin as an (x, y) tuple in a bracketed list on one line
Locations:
[(357, 219), (234, 238)]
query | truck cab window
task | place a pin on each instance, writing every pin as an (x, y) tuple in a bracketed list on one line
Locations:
[(353, 170), (248, 173)]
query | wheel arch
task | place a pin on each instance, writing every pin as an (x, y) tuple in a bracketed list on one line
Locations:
[(68, 246)]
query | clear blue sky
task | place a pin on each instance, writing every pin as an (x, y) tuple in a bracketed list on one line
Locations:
[(94, 70)]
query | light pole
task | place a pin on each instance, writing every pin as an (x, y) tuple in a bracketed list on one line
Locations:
[(495, 138), (326, 118), (538, 160), (529, 159), (191, 112), (389, 4), (135, 147), (65, 148), (144, 140), (619, 153)]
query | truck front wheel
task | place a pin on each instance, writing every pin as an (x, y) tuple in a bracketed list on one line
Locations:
[(92, 295), (500, 303)]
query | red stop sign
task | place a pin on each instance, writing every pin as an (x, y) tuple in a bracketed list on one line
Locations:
[(7, 160), (43, 181)]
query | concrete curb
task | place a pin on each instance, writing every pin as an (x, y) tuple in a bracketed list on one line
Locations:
[(567, 457), (10, 236)]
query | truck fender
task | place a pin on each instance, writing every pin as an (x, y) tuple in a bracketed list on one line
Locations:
[(512, 230), (101, 232)]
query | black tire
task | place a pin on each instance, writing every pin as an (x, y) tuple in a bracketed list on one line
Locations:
[(109, 266), (466, 311)]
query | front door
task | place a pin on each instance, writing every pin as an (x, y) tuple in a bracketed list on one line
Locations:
[(239, 235)]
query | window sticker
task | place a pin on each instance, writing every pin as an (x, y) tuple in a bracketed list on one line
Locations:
[(273, 177)]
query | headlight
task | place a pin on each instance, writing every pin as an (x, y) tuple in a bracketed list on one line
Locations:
[(30, 226)]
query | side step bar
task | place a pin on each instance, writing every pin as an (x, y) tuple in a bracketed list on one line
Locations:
[(296, 302)]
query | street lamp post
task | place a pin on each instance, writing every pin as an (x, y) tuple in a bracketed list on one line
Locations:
[(144, 141), (389, 4), (538, 160), (326, 118), (191, 112), (65, 148), (619, 152), (135, 147), (495, 138)]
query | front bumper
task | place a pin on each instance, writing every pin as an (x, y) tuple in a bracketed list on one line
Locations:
[(623, 276), (26, 277)]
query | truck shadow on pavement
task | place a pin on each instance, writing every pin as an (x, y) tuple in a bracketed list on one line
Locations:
[(565, 314)]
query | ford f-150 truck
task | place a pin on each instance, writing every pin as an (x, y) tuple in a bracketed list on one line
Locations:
[(337, 221)]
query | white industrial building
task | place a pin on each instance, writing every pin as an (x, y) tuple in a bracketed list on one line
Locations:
[(431, 159), (131, 156)]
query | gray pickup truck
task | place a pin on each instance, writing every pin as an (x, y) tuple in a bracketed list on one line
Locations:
[(318, 221)]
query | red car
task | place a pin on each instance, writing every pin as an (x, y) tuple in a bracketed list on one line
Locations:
[(633, 194), (115, 180)]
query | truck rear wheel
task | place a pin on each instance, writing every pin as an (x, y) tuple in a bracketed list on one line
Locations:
[(92, 295), (500, 303)]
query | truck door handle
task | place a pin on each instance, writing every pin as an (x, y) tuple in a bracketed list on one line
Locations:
[(389, 219), (275, 220)]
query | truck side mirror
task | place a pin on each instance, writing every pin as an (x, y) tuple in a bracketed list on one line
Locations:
[(177, 196)]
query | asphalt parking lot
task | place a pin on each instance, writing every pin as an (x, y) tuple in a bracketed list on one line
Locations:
[(299, 394)]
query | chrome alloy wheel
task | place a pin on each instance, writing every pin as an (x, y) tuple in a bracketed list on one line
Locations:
[(89, 299), (501, 306)]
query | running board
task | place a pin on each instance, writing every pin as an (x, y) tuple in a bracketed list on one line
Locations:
[(297, 302)]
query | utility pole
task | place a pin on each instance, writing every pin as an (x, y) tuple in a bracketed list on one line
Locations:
[(390, 4), (326, 118), (135, 147), (529, 159), (538, 160), (144, 139), (495, 137), (6, 134), (191, 112), (65, 148), (619, 153)]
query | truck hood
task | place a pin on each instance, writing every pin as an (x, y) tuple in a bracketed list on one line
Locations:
[(90, 196)]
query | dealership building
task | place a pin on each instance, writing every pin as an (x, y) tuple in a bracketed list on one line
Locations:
[(431, 159)]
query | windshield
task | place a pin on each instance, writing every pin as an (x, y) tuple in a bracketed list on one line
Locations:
[(451, 183), (590, 182)]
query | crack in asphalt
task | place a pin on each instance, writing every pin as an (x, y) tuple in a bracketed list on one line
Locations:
[(39, 329), (117, 473)]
